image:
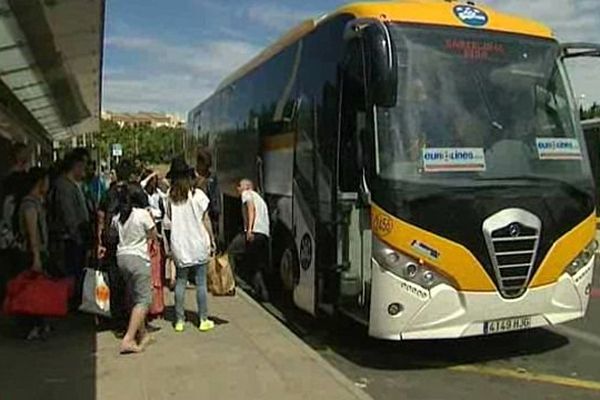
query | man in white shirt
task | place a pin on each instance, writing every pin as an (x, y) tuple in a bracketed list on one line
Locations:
[(253, 245)]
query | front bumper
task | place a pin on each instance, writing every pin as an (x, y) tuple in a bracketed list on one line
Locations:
[(444, 312)]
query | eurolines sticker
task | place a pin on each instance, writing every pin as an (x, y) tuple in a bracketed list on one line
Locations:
[(558, 149), (453, 160)]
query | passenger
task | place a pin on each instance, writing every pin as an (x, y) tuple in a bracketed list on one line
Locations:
[(191, 241), (96, 185), (207, 181), (112, 178), (127, 176), (20, 159), (156, 199), (156, 196), (253, 244), (9, 252), (33, 229), (15, 176), (69, 218), (135, 228)]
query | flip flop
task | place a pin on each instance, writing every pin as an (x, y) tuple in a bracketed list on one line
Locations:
[(132, 349)]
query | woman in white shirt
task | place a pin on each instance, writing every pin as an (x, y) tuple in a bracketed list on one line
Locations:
[(135, 227), (191, 242)]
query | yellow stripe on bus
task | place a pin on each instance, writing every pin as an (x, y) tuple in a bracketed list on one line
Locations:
[(439, 12), (454, 261), (564, 251), (459, 264), (429, 12)]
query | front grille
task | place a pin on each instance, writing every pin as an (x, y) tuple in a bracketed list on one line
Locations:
[(512, 238)]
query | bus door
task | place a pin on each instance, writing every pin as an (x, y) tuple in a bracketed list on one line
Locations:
[(305, 204), (354, 233)]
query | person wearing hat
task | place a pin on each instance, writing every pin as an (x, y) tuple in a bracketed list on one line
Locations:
[(191, 240)]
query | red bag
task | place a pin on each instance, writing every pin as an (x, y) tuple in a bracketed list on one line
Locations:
[(31, 293), (156, 261)]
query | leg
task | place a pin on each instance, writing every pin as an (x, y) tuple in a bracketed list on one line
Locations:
[(201, 296), (136, 322), (205, 323), (118, 293), (180, 285), (139, 282), (258, 255)]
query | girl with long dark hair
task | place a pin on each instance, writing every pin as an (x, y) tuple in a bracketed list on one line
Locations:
[(135, 228), (192, 241)]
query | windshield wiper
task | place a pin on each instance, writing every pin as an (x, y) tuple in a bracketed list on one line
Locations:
[(486, 101)]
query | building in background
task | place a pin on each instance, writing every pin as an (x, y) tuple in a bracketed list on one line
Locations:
[(151, 119)]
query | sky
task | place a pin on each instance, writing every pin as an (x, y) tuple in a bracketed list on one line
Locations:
[(168, 55)]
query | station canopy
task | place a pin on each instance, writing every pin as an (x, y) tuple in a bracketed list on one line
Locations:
[(50, 67)]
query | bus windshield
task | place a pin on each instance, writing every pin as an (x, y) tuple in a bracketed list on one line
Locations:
[(476, 106)]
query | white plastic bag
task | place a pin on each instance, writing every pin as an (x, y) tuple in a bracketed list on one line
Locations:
[(95, 298)]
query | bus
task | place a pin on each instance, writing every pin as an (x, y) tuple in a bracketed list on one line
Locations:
[(424, 166)]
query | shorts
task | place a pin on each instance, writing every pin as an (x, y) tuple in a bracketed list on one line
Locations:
[(138, 277)]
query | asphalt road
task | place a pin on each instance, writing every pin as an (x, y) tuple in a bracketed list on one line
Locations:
[(556, 363)]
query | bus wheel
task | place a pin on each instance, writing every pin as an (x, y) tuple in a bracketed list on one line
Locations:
[(288, 270)]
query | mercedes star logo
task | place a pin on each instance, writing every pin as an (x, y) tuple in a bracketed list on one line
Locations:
[(514, 230)]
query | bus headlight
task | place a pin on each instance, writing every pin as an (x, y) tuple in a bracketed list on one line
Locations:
[(406, 267), (583, 258)]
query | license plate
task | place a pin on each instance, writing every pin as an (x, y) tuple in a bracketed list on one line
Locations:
[(506, 325)]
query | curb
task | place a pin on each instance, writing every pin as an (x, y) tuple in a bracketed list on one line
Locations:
[(335, 374)]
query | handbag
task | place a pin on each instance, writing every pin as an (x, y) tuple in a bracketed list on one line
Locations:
[(34, 294), (221, 281), (95, 297)]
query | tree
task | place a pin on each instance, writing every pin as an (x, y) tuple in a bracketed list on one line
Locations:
[(147, 144), (592, 112)]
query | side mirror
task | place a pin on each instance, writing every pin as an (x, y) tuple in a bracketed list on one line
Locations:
[(382, 66)]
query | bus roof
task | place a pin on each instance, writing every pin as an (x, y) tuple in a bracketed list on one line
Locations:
[(434, 12)]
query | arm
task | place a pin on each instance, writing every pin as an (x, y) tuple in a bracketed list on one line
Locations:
[(150, 227), (208, 226), (251, 220), (145, 181), (31, 226), (100, 221)]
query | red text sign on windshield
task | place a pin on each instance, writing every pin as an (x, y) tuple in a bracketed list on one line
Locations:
[(474, 49)]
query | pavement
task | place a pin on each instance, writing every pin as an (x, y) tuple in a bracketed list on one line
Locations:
[(276, 352), (249, 355), (560, 362)]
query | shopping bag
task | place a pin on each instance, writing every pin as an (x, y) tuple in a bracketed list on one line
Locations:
[(156, 262), (220, 276), (34, 294), (95, 297)]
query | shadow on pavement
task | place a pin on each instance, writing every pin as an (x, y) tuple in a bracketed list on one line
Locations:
[(62, 367), (348, 339)]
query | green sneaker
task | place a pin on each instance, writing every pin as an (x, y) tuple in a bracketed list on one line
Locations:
[(206, 325), (179, 326)]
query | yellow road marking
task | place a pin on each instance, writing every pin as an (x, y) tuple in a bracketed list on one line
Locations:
[(528, 376)]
